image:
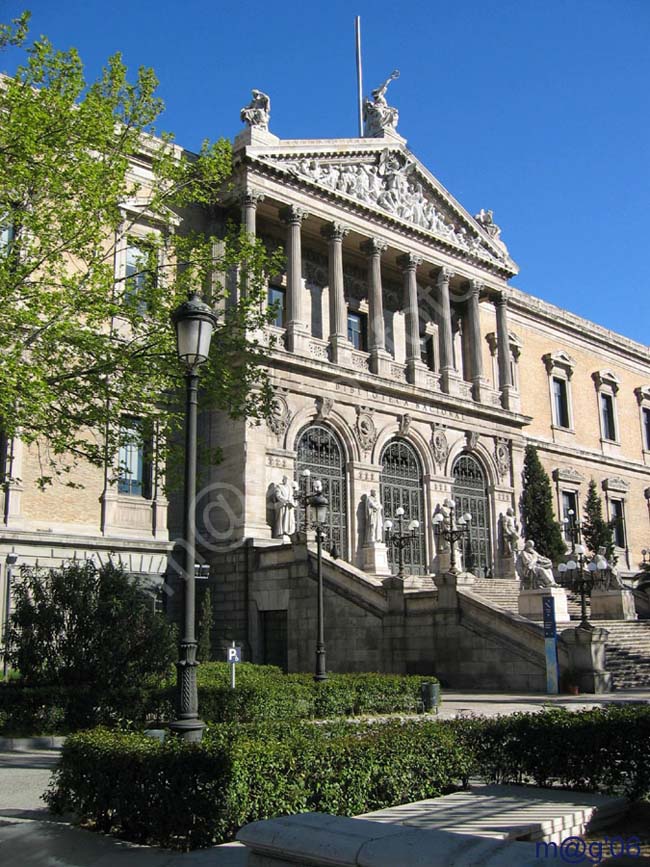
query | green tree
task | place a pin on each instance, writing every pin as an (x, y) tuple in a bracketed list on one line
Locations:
[(598, 533), (80, 167), (537, 517), (89, 627), (206, 622)]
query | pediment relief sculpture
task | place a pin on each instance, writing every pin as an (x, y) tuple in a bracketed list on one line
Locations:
[(392, 181)]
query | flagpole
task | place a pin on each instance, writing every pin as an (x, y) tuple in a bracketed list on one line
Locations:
[(357, 30)]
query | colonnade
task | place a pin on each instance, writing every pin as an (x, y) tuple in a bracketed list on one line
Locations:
[(340, 349)]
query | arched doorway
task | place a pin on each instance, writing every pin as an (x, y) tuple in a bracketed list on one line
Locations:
[(402, 485), (319, 450), (470, 495)]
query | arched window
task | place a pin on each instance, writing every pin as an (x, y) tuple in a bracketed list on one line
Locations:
[(401, 485), (319, 450), (470, 494)]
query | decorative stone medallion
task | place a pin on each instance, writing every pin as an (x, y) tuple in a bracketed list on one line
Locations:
[(279, 421), (439, 444), (366, 430), (502, 456)]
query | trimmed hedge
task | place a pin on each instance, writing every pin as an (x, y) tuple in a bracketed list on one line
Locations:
[(184, 795), (605, 749), (263, 693)]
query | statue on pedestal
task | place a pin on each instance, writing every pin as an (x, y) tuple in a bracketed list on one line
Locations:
[(285, 509), (534, 570), (377, 114), (510, 533), (374, 514), (258, 112)]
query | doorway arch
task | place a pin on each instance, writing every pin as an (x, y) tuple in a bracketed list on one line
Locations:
[(470, 494)]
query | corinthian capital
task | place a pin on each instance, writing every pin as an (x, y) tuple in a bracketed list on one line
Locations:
[(293, 215), (409, 261), (475, 287), (250, 198), (373, 247), (334, 231), (444, 275)]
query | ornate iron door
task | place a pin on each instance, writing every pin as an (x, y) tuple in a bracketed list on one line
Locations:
[(319, 451), (401, 485), (470, 495)]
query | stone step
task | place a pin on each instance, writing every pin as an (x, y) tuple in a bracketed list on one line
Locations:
[(508, 813)]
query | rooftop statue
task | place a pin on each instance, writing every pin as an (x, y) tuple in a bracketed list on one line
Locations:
[(258, 112), (377, 114)]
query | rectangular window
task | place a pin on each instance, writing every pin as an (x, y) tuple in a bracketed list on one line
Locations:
[(276, 299), (607, 416), (427, 352), (134, 459), (6, 236), (618, 522), (357, 331), (140, 274), (560, 402), (646, 429), (569, 512)]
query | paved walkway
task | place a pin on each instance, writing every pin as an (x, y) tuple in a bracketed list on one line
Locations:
[(30, 837)]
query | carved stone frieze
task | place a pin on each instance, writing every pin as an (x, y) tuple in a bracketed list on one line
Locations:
[(568, 474), (615, 483), (439, 444), (391, 181)]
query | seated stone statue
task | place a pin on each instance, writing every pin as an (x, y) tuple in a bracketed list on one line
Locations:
[(534, 570), (377, 114), (258, 111)]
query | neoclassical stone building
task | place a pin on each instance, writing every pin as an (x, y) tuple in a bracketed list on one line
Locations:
[(404, 363)]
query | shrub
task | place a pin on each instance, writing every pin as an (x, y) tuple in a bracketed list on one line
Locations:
[(188, 795), (597, 750), (88, 627)]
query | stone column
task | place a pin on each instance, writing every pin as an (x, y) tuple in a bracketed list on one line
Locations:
[(379, 358), (475, 346), (249, 201), (340, 346), (296, 313), (415, 369), (448, 374), (506, 385)]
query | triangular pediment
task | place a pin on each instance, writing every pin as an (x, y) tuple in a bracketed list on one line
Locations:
[(387, 179)]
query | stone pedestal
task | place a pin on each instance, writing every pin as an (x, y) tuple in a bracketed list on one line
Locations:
[(586, 659), (380, 362), (447, 584), (531, 605), (612, 605), (375, 558)]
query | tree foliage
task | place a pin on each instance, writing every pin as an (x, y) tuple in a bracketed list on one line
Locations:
[(82, 344), (537, 516), (597, 532), (83, 626), (206, 622)]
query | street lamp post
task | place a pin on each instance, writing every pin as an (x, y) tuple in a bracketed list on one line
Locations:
[(318, 503), (194, 323), (451, 530), (582, 579), (12, 559), (400, 538), (573, 530)]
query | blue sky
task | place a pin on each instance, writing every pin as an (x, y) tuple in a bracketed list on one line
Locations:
[(537, 109)]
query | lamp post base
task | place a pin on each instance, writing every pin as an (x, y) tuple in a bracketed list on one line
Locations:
[(191, 730)]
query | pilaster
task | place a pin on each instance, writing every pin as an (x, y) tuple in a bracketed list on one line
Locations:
[(449, 377), (415, 369), (380, 359), (297, 330), (340, 346)]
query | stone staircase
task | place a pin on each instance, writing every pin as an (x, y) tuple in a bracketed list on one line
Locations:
[(628, 652), (628, 645), (503, 592)]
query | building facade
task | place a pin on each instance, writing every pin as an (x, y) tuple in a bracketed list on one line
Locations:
[(407, 370)]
